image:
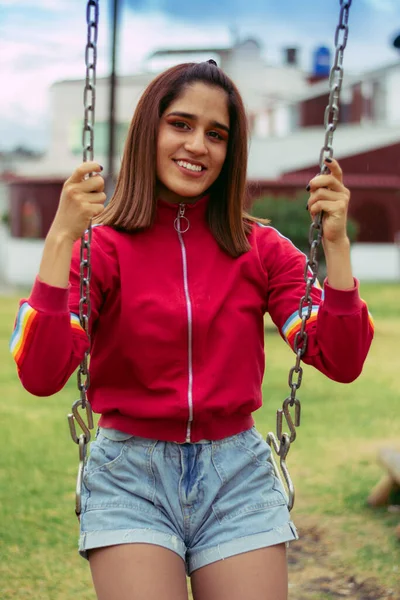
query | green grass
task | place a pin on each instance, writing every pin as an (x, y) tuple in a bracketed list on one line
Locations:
[(333, 460), (333, 463)]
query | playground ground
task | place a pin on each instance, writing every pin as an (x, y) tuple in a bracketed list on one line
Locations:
[(346, 549)]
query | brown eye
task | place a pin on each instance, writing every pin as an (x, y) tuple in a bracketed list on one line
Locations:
[(216, 135), (180, 125)]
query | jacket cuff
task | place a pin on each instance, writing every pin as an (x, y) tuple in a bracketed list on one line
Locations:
[(49, 299), (342, 302)]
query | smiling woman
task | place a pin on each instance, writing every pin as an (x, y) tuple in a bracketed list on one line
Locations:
[(192, 146), (191, 123), (178, 478)]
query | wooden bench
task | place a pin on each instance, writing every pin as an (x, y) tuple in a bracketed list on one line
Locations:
[(389, 458)]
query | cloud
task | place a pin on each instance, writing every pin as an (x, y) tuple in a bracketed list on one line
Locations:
[(291, 11), (42, 41), (205, 10), (143, 34), (387, 6), (46, 5), (35, 54)]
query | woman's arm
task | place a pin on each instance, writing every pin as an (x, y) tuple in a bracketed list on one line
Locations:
[(340, 329), (328, 194), (81, 200), (48, 342), (56, 259)]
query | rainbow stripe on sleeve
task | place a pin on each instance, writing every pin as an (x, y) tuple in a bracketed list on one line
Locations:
[(26, 318), (370, 319), (75, 322), (23, 326), (293, 324)]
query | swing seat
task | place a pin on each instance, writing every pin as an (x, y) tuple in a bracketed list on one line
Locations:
[(389, 458)]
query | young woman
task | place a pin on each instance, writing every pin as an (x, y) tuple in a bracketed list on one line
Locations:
[(179, 480)]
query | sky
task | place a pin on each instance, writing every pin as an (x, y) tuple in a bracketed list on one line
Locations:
[(43, 41)]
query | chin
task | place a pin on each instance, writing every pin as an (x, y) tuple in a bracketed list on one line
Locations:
[(194, 194), (189, 192)]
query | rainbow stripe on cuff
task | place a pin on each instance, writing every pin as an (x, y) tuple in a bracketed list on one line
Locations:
[(370, 319), (293, 324), (75, 322), (24, 324), (26, 319)]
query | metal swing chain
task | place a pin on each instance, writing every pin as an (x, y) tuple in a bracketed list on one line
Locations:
[(83, 375), (282, 441)]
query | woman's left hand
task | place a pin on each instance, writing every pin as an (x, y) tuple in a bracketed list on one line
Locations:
[(328, 194)]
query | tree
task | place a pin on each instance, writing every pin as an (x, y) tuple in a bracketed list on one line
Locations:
[(291, 218)]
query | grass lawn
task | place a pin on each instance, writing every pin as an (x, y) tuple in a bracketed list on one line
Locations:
[(333, 463)]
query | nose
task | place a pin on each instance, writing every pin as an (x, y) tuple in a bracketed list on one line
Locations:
[(195, 143)]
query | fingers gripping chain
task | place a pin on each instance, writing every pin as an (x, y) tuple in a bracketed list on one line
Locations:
[(281, 442), (89, 99)]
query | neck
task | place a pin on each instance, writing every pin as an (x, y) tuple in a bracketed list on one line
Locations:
[(172, 198)]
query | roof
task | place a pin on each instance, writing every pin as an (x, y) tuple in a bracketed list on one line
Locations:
[(142, 78), (288, 180), (212, 49), (174, 51), (271, 157), (15, 179), (354, 181), (321, 88)]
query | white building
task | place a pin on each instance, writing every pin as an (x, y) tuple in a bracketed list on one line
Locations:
[(285, 106), (260, 84)]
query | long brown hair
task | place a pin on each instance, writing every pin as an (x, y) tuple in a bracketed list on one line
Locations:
[(133, 205)]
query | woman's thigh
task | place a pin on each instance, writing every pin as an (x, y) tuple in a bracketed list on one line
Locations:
[(248, 576), (138, 572)]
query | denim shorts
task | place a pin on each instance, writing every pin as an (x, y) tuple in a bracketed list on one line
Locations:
[(205, 501)]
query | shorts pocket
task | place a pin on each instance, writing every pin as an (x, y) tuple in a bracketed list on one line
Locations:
[(256, 447), (248, 479), (106, 452), (260, 453)]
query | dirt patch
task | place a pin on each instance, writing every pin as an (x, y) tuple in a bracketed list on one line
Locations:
[(313, 576)]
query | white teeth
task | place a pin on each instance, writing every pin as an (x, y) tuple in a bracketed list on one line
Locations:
[(189, 166)]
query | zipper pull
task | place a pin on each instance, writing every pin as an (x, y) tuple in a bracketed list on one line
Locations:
[(181, 222)]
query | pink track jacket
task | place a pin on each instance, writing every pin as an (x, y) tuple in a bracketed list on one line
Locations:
[(177, 327)]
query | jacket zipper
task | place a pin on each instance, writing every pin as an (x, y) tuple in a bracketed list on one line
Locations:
[(182, 225)]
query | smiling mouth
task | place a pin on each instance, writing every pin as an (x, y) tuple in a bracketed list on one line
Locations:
[(189, 166)]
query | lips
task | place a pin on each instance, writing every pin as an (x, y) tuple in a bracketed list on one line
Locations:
[(190, 173), (191, 162)]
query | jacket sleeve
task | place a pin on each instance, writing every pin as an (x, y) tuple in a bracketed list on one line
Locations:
[(48, 342), (340, 329)]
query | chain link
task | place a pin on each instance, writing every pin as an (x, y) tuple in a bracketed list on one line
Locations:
[(83, 375), (89, 95), (282, 441)]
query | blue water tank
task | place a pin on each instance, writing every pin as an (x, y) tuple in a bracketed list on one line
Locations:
[(321, 62)]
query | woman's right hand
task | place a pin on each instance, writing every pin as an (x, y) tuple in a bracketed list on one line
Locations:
[(81, 200)]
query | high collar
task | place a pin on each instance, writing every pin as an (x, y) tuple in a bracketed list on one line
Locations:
[(196, 209)]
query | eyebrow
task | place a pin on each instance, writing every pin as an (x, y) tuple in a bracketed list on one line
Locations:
[(185, 115)]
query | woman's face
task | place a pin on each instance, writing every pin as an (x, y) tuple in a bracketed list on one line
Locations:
[(192, 143)]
